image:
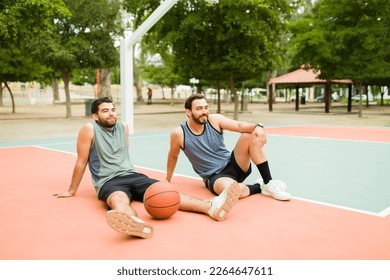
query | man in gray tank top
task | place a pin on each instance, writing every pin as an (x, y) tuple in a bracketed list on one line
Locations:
[(103, 146), (201, 140)]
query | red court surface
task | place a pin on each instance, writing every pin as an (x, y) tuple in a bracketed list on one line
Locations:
[(35, 225)]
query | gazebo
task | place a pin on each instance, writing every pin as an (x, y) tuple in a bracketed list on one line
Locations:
[(305, 78)]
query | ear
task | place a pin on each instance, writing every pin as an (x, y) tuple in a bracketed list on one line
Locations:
[(188, 112), (95, 116)]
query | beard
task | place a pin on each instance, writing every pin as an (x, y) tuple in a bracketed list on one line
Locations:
[(107, 123), (202, 119)]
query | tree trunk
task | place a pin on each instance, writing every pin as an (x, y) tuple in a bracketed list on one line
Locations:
[(236, 103), (271, 91), (1, 94), (66, 78), (366, 93), (12, 97), (172, 84), (270, 97), (327, 96), (137, 81), (138, 87), (162, 91), (219, 97), (359, 90), (54, 86), (105, 83)]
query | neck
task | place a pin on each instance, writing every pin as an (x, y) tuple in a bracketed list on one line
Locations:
[(109, 129), (196, 128)]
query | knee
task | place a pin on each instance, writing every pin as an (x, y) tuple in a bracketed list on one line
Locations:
[(250, 140), (246, 136), (117, 198)]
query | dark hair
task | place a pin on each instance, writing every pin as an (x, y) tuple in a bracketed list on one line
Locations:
[(188, 103), (97, 102)]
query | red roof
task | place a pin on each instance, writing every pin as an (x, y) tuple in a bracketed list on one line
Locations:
[(304, 76)]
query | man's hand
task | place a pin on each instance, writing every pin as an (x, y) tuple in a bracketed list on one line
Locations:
[(259, 136), (64, 194)]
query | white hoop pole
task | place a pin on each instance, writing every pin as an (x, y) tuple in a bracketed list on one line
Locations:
[(126, 62)]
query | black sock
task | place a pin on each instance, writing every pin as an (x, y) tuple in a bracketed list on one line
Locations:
[(264, 172), (253, 189)]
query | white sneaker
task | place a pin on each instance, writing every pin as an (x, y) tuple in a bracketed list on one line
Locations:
[(224, 202), (128, 224), (260, 182), (276, 189)]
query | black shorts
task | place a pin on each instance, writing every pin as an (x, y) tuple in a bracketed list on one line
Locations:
[(232, 170), (134, 185)]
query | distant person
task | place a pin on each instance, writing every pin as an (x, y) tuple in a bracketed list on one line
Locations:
[(103, 146), (201, 140), (150, 95)]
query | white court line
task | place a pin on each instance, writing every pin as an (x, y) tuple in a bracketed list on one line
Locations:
[(59, 143), (384, 213), (40, 145), (54, 150), (325, 138), (380, 214), (148, 136)]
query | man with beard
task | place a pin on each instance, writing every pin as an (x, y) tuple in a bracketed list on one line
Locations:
[(103, 145), (201, 139)]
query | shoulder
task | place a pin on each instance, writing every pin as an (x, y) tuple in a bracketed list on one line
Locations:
[(217, 117), (177, 131), (215, 121), (86, 133), (87, 129), (177, 136), (122, 124)]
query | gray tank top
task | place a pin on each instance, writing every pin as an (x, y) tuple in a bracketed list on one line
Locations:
[(206, 152), (109, 156)]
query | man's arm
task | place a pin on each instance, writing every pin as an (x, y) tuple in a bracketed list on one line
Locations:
[(84, 142), (174, 151), (222, 122)]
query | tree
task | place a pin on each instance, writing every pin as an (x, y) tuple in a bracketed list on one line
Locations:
[(86, 40), (159, 66), (234, 40), (20, 21), (19, 66), (346, 40), (162, 75)]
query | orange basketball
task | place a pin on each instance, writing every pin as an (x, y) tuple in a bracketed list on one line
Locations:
[(161, 200)]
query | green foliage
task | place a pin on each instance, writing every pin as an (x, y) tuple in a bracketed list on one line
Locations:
[(84, 76), (17, 65), (21, 20), (346, 40), (234, 37), (85, 40)]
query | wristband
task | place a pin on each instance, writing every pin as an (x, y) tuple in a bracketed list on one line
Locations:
[(259, 124)]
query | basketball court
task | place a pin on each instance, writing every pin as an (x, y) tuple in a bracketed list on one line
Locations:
[(338, 177)]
